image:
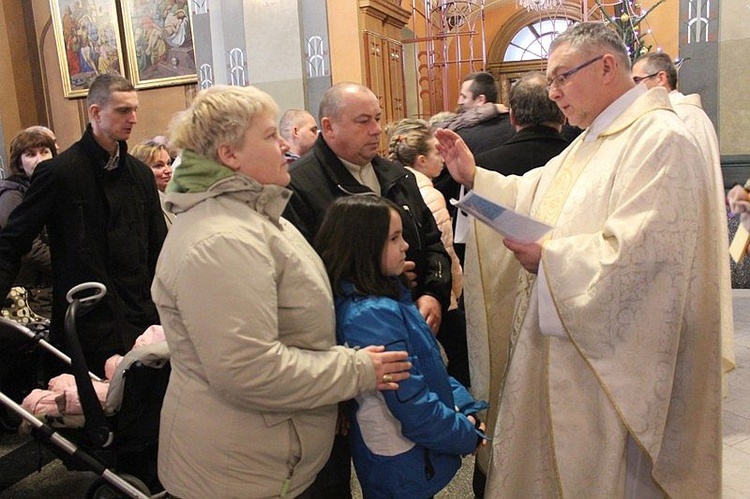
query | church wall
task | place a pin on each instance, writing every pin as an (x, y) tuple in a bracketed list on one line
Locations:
[(734, 75)]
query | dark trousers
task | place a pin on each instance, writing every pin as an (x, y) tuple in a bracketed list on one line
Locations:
[(334, 480), (452, 335), (478, 482)]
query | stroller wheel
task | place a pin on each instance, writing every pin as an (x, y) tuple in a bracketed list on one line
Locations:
[(102, 489)]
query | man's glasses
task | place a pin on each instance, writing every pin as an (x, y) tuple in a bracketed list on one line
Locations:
[(561, 79), (638, 79)]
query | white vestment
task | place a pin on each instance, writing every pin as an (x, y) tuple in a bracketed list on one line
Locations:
[(632, 268), (689, 109)]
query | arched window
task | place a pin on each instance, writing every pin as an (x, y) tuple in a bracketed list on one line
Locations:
[(522, 44), (532, 41)]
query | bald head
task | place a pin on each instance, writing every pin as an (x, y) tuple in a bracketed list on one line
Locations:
[(350, 122), (299, 129)]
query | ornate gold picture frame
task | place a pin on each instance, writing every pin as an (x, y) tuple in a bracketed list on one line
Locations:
[(159, 42), (88, 42)]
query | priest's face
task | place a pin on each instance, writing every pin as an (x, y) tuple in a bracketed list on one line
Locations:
[(574, 84), (641, 74)]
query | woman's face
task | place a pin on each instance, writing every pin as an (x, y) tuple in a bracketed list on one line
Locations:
[(433, 160), (394, 252), (431, 163), (261, 155), (161, 166), (32, 157)]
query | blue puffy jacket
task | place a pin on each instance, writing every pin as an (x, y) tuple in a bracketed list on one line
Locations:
[(407, 442)]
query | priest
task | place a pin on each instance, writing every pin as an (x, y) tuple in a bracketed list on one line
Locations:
[(611, 382)]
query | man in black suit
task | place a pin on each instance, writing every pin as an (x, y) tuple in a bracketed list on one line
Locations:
[(538, 123)]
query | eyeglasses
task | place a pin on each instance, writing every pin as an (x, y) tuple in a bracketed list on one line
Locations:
[(560, 80), (638, 79)]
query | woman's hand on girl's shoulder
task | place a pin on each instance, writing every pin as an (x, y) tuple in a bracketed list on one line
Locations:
[(390, 367)]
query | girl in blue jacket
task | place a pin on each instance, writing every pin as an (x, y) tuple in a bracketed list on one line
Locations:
[(407, 442)]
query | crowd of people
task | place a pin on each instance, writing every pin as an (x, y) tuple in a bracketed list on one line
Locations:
[(324, 304)]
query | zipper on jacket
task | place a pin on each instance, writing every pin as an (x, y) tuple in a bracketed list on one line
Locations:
[(291, 462), (414, 221), (287, 481), (350, 193), (429, 469)]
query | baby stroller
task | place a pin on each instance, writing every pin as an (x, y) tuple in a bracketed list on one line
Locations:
[(118, 442)]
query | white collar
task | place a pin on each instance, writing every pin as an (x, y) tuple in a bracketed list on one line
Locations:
[(606, 117)]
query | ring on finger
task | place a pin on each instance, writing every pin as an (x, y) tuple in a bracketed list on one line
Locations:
[(387, 378)]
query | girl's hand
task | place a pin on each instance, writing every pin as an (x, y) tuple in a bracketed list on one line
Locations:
[(481, 442)]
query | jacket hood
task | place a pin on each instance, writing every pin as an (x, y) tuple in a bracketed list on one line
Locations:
[(199, 178), (14, 183)]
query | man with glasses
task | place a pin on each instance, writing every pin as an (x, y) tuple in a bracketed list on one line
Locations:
[(657, 70), (612, 387)]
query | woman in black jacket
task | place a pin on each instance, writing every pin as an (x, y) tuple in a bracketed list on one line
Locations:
[(27, 149)]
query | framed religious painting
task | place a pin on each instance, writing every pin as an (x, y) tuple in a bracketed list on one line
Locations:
[(159, 42), (88, 42)]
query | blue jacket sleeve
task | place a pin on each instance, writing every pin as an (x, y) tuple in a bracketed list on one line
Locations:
[(465, 403), (424, 418)]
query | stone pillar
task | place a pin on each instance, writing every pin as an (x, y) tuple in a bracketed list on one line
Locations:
[(699, 46), (732, 76), (265, 43)]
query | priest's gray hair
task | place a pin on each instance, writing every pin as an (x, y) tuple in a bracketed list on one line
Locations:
[(592, 38), (653, 62)]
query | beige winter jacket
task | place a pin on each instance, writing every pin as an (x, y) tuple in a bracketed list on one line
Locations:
[(248, 314), (436, 203)]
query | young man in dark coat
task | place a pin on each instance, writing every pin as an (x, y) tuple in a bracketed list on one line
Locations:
[(102, 212)]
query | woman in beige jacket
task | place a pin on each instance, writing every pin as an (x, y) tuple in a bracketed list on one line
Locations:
[(247, 310), (412, 143)]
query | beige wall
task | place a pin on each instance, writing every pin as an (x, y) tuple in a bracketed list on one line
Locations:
[(16, 95), (345, 40), (734, 77)]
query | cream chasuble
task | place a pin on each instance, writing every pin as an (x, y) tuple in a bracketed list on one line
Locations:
[(633, 271), (688, 108)]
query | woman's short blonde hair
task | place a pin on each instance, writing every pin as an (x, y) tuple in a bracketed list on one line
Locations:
[(146, 151), (219, 115)]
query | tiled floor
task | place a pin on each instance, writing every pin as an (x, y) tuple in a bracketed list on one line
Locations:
[(737, 406), (55, 481)]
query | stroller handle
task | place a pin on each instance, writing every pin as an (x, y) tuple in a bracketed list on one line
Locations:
[(99, 291)]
